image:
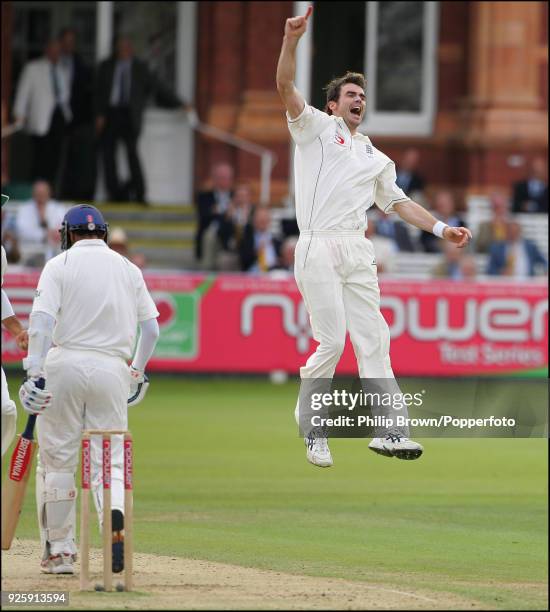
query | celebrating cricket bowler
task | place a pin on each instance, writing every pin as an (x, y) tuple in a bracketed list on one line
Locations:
[(339, 175), (89, 303)]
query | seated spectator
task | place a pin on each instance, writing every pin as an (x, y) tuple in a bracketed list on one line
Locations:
[(9, 238), (259, 249), (392, 228), (444, 210), (233, 221), (493, 230), (468, 267), (211, 205), (531, 194), (37, 226), (408, 178), (451, 264), (288, 248), (118, 241), (384, 248), (516, 256)]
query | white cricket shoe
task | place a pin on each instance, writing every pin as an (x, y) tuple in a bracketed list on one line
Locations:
[(395, 445), (59, 564), (317, 451)]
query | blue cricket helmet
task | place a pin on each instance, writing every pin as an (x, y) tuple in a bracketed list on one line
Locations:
[(83, 218)]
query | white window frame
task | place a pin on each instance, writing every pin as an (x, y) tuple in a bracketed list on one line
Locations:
[(400, 123)]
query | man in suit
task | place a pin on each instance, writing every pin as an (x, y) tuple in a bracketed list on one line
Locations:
[(124, 84), (79, 174), (42, 104), (515, 256), (444, 210), (259, 249), (212, 206), (531, 195), (495, 229), (407, 177)]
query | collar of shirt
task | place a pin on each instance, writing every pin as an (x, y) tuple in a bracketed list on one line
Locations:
[(89, 242), (357, 135)]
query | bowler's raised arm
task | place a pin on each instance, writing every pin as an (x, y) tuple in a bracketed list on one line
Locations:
[(286, 68)]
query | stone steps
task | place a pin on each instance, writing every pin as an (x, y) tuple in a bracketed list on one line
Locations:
[(164, 234)]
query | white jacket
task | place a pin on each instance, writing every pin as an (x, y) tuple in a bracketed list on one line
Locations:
[(35, 99)]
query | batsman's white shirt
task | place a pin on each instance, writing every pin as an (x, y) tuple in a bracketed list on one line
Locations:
[(338, 177), (97, 298)]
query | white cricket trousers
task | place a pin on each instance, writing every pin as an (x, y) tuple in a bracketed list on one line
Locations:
[(336, 275), (90, 391)]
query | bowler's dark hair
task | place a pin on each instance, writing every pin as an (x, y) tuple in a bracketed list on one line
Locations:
[(334, 87)]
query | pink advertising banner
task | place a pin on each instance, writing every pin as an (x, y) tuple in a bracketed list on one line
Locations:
[(238, 323)]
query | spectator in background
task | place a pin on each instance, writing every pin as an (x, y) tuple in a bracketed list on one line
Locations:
[(444, 210), (9, 238), (516, 256), (124, 84), (37, 226), (259, 249), (288, 249), (451, 265), (495, 229), (531, 195), (468, 267), (408, 178), (394, 229), (42, 104), (211, 206), (233, 221), (118, 241), (385, 249), (78, 179)]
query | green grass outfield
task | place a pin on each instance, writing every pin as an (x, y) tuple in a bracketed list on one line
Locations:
[(220, 474)]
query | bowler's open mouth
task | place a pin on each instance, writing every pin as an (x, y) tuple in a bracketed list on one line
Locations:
[(356, 110)]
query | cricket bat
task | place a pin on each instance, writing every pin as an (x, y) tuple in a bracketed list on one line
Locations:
[(13, 490)]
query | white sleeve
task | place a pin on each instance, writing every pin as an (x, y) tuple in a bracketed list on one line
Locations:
[(145, 304), (48, 293), (7, 310), (307, 125), (386, 191), (146, 343), (41, 327)]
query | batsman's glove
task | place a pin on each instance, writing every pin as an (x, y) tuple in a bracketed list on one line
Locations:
[(139, 383), (35, 398)]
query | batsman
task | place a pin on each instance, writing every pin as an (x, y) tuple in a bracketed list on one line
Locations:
[(339, 175), (88, 306)]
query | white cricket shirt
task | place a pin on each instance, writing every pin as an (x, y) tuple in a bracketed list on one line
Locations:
[(97, 298), (338, 177)]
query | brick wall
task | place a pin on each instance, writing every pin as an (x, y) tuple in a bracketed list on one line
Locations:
[(471, 147)]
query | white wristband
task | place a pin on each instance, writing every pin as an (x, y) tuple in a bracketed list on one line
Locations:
[(439, 228)]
